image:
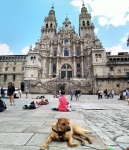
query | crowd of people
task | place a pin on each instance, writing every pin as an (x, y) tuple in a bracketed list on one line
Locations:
[(64, 104), (124, 95), (107, 94), (76, 93)]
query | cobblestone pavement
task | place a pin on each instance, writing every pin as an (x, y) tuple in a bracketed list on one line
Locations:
[(108, 119)]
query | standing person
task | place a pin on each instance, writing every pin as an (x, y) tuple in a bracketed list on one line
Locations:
[(10, 92), (78, 94), (2, 92), (26, 91), (105, 93), (112, 94), (98, 94), (124, 95), (71, 94), (20, 92), (101, 94)]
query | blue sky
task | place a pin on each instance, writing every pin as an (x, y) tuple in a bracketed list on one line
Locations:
[(22, 20)]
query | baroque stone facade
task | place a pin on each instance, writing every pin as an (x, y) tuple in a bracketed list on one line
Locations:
[(63, 59)]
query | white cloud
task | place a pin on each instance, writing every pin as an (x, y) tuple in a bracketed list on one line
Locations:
[(110, 12), (120, 47), (115, 49), (4, 49), (124, 39), (25, 50), (96, 30)]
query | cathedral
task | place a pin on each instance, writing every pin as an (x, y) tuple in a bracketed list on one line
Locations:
[(63, 59)]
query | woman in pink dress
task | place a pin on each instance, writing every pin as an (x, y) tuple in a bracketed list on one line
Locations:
[(63, 104)]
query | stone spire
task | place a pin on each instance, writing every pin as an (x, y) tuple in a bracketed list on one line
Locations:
[(83, 9)]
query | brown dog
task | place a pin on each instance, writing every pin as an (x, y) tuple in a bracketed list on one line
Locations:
[(62, 130)]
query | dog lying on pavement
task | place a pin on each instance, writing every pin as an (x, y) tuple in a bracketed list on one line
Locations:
[(63, 130)]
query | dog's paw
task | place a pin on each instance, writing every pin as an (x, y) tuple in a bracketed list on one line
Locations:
[(83, 144), (42, 148), (90, 141)]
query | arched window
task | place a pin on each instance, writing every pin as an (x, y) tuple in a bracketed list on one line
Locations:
[(63, 67), (66, 26), (69, 67), (88, 23), (66, 52), (83, 23), (96, 55), (55, 53), (78, 52), (66, 41), (54, 68), (99, 55), (78, 68), (51, 25), (47, 25)]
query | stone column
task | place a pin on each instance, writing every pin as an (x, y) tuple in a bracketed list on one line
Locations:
[(74, 69), (82, 65), (58, 48), (51, 50), (57, 68), (81, 48), (74, 51), (50, 68)]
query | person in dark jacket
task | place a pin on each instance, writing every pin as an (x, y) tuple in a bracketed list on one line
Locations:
[(2, 105), (2, 92), (10, 93), (78, 92)]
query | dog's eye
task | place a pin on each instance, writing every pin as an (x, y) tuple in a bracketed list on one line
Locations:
[(63, 124)]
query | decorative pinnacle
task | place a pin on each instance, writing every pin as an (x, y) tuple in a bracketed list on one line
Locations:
[(53, 5), (83, 4)]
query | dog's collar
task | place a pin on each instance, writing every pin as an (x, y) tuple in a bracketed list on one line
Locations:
[(59, 133)]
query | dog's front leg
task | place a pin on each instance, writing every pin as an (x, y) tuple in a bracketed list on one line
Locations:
[(70, 142), (43, 147)]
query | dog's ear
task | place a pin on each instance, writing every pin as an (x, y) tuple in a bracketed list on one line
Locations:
[(60, 120)]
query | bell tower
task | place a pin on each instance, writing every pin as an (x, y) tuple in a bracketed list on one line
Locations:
[(85, 25), (50, 25)]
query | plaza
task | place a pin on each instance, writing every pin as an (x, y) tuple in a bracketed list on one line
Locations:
[(108, 119)]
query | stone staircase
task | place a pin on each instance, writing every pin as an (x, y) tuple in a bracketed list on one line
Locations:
[(54, 85)]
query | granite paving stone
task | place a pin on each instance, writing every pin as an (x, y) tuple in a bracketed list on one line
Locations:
[(108, 119)]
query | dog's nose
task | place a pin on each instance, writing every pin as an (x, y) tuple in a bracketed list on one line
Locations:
[(68, 128)]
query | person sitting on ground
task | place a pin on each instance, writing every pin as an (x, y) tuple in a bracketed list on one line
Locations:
[(2, 105), (63, 103), (44, 102), (124, 95)]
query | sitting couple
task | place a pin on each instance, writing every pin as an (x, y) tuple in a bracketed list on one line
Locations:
[(63, 103), (35, 104)]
